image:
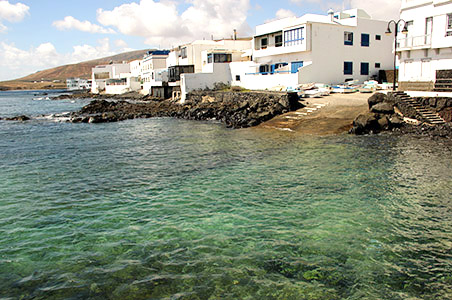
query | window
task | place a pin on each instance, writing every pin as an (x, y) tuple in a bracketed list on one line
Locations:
[(278, 41), (263, 69), (364, 68), (377, 65), (294, 37), (237, 77), (449, 25), (378, 37), (210, 58), (295, 66), (348, 68), (183, 52), (348, 38), (365, 40), (222, 58), (264, 43)]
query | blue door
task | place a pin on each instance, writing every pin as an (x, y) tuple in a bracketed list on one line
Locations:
[(295, 66)]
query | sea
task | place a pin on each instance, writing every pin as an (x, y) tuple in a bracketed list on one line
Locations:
[(174, 209)]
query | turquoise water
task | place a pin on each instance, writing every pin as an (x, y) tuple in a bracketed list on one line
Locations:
[(173, 209)]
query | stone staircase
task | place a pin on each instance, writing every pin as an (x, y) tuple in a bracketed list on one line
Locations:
[(427, 113), (443, 81)]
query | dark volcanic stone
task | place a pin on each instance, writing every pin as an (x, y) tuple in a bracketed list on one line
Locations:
[(20, 118), (396, 121), (365, 123), (236, 110), (377, 98), (383, 108)]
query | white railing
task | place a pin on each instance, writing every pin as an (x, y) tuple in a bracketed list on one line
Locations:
[(414, 41)]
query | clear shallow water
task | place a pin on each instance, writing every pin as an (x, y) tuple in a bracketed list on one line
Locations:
[(171, 209)]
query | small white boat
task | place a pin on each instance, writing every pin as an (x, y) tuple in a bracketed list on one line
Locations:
[(342, 89)]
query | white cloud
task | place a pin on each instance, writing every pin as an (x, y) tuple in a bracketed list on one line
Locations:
[(284, 13), (161, 24), (382, 9), (121, 44), (70, 22), (12, 13), (17, 62)]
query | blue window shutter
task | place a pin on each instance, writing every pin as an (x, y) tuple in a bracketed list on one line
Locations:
[(295, 66), (348, 68), (364, 68), (365, 40)]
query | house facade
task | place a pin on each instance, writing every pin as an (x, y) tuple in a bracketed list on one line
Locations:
[(330, 49), (188, 58), (78, 84), (426, 49), (154, 71), (105, 78)]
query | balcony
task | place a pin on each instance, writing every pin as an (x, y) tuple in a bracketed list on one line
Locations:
[(414, 42)]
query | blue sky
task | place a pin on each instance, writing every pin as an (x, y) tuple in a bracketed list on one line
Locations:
[(40, 34)]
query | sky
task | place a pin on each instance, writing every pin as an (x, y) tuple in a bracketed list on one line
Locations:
[(40, 34)]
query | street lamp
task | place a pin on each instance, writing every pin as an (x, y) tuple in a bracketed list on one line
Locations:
[(389, 32)]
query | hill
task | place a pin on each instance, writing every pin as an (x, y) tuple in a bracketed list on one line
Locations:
[(56, 77)]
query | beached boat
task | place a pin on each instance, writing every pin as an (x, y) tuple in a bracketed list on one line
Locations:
[(343, 89)]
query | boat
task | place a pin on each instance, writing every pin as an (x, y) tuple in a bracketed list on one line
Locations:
[(343, 89)]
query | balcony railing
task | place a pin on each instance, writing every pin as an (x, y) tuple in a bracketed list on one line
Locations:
[(415, 41)]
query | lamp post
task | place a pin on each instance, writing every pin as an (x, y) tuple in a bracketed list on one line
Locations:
[(389, 32)]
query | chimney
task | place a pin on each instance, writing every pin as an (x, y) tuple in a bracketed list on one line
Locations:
[(331, 14), (235, 34)]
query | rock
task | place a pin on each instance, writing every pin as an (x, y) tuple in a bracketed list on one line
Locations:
[(383, 123), (20, 118), (383, 108), (441, 103), (396, 122), (377, 98), (365, 123), (446, 114)]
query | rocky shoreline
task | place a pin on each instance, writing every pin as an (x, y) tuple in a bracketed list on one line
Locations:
[(387, 113), (234, 109)]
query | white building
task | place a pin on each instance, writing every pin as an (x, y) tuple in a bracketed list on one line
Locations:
[(136, 68), (188, 58), (330, 49), (154, 72), (216, 69), (115, 78), (427, 47), (100, 75), (78, 84)]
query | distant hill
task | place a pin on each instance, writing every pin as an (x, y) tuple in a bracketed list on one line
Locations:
[(56, 77)]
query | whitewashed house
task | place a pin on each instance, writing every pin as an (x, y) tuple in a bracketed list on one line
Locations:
[(114, 79), (330, 49), (136, 68), (205, 63), (427, 47), (100, 75), (188, 58), (154, 72), (78, 84)]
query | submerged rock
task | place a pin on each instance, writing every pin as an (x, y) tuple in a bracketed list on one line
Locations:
[(20, 118)]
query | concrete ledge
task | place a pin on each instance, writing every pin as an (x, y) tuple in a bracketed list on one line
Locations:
[(416, 86)]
